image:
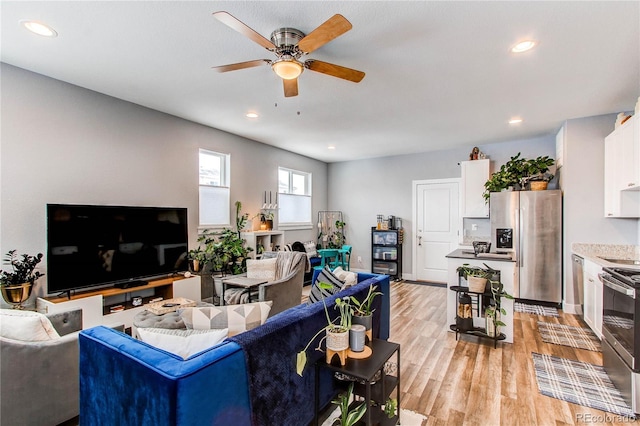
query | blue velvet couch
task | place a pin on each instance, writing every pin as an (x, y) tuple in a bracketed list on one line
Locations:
[(249, 379)]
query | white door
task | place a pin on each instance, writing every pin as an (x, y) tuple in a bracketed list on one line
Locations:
[(437, 227)]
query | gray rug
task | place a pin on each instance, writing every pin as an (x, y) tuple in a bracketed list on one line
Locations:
[(535, 309), (567, 335), (579, 383)]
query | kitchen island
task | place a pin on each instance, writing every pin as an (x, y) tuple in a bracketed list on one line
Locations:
[(503, 263)]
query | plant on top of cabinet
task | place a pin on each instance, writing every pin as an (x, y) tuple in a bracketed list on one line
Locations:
[(517, 172)]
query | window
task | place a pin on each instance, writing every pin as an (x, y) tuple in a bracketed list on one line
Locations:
[(214, 188), (294, 197)]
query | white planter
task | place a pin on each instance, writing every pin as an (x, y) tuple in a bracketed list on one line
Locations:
[(338, 341)]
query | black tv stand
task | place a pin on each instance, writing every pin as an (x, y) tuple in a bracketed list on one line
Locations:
[(131, 284)]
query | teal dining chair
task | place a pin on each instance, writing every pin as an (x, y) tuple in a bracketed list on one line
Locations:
[(329, 257), (345, 257)]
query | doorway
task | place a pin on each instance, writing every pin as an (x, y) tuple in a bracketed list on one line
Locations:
[(436, 227)]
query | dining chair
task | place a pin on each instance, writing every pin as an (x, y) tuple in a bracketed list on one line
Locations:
[(330, 257)]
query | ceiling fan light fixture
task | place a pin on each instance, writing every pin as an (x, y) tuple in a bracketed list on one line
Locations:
[(288, 69)]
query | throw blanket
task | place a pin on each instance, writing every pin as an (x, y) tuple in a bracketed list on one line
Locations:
[(278, 395), (287, 262)]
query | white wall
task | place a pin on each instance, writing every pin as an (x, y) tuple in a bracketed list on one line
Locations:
[(65, 144), (362, 189), (582, 180)]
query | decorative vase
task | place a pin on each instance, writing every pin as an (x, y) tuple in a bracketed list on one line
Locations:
[(477, 284), (538, 185), (17, 294), (357, 337), (337, 343), (366, 321)]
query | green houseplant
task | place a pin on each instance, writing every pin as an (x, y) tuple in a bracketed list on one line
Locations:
[(348, 417), (493, 313), (476, 277), (225, 250), (336, 331), (16, 285), (517, 172), (363, 310)]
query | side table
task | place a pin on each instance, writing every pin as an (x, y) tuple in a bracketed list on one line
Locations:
[(242, 282), (365, 370)]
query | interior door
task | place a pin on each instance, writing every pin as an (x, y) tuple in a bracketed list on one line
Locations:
[(437, 228)]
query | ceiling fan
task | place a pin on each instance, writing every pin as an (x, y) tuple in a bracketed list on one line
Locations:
[(289, 45)]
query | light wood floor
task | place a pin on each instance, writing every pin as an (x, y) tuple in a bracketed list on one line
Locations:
[(468, 382)]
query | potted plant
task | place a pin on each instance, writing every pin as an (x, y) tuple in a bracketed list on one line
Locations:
[(363, 311), (517, 172), (336, 334), (197, 259), (475, 276), (493, 313), (225, 250), (16, 285), (348, 417)]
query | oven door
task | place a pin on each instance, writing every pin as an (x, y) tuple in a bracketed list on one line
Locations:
[(618, 317)]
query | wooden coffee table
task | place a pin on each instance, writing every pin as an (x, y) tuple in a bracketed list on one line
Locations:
[(242, 282)]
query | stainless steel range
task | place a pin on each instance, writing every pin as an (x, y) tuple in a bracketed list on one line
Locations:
[(620, 331)]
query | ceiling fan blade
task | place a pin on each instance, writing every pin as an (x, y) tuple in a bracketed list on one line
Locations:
[(334, 70), (327, 31), (243, 29), (290, 87), (241, 65)]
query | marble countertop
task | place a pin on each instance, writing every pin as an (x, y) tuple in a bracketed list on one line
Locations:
[(597, 253), (468, 254)]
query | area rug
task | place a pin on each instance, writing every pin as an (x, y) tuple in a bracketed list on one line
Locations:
[(546, 311), (567, 335), (579, 383), (407, 418)]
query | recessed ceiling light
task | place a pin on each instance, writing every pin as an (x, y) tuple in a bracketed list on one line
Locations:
[(39, 28), (331, 147), (251, 115), (523, 46), (515, 120)]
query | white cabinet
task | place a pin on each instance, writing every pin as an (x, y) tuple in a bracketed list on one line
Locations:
[(593, 297), (261, 241), (474, 175), (622, 170), (95, 303)]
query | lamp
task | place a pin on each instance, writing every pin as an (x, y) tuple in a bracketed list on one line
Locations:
[(287, 68)]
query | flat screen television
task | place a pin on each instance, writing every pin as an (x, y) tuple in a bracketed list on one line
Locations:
[(90, 246)]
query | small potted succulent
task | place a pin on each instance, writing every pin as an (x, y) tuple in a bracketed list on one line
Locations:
[(16, 285)]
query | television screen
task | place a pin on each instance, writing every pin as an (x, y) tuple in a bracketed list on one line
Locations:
[(101, 245)]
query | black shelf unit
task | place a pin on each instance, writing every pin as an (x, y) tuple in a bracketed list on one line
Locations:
[(386, 252), (475, 331), (365, 370)]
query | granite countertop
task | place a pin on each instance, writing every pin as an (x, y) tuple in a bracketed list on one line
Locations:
[(597, 253), (468, 254)]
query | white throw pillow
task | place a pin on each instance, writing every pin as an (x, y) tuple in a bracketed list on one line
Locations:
[(349, 278), (237, 318), (264, 269), (27, 326), (183, 343)]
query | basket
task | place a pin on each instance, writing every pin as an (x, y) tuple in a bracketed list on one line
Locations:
[(160, 308), (538, 185), (476, 284)]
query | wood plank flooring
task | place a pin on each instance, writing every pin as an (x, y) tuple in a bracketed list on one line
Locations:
[(467, 382)]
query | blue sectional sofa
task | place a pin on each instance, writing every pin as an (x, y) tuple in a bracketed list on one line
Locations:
[(249, 379)]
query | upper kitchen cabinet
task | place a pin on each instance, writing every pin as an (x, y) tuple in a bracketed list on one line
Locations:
[(474, 174), (622, 170)]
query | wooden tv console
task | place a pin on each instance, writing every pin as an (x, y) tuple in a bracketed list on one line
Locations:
[(96, 304)]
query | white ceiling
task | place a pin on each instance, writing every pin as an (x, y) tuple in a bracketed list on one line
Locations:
[(439, 74)]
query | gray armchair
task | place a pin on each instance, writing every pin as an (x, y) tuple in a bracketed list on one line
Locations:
[(39, 380), (286, 290)]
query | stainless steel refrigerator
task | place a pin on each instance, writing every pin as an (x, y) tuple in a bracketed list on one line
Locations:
[(529, 223)]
